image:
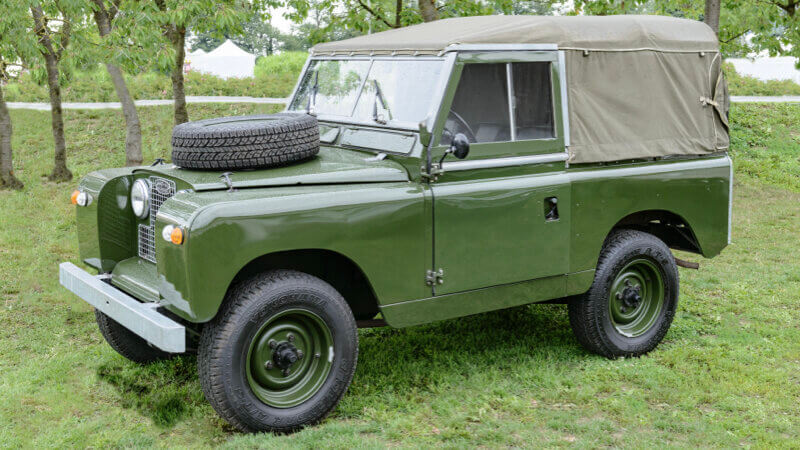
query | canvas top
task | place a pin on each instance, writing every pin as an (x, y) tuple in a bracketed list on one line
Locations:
[(597, 33)]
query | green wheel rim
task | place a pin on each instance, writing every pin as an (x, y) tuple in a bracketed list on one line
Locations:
[(289, 358), (636, 297)]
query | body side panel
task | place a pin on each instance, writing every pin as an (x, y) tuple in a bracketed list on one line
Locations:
[(383, 228), (695, 189)]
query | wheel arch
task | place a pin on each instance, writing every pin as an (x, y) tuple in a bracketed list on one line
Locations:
[(671, 228), (332, 267)]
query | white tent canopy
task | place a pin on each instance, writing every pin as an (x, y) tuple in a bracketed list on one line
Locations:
[(766, 68), (225, 61)]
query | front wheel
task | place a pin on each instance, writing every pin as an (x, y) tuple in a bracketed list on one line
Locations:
[(634, 296), (280, 353), (126, 342)]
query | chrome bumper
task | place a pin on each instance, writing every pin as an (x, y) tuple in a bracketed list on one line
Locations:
[(140, 318)]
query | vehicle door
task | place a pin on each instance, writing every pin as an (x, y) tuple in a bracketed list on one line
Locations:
[(501, 215)]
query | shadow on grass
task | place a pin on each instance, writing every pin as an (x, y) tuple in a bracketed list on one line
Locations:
[(396, 360), (391, 361), (165, 391)]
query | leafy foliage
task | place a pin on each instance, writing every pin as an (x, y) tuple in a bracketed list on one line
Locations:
[(746, 26), (361, 16)]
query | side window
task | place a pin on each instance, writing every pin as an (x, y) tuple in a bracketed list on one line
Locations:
[(481, 109), (480, 105), (533, 101)]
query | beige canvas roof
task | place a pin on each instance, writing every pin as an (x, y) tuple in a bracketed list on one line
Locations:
[(613, 33)]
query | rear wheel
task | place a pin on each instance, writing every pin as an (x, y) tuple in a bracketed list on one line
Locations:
[(280, 354), (126, 343), (633, 299)]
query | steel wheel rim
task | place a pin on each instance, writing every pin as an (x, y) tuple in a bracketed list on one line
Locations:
[(636, 297), (295, 330)]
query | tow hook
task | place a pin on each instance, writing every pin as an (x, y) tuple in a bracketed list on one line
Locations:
[(687, 264)]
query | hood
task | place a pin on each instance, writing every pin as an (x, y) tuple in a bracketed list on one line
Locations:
[(331, 166)]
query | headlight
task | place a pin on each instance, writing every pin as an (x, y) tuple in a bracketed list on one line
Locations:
[(140, 198)]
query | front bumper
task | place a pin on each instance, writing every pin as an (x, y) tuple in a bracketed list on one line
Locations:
[(140, 318)]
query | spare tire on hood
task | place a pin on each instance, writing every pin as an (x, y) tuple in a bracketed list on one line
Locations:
[(245, 142)]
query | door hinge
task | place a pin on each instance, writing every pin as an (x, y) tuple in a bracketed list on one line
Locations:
[(432, 278), (436, 170)]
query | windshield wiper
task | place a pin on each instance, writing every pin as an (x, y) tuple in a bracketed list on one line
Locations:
[(380, 118), (312, 99)]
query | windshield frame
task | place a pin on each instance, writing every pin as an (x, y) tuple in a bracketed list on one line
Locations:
[(448, 61)]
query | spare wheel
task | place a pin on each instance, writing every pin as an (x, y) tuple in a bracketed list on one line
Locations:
[(245, 142)]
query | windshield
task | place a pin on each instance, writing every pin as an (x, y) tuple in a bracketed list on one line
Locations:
[(398, 90)]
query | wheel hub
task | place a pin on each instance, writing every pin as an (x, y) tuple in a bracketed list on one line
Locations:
[(636, 297), (631, 296), (284, 356), (289, 358)]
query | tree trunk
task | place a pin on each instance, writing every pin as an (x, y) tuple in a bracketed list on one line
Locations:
[(133, 129), (428, 10), (178, 38), (711, 16), (51, 56), (7, 178), (398, 11), (60, 171)]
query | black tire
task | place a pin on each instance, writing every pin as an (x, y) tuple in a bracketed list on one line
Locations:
[(225, 342), (245, 142), (126, 343), (591, 313)]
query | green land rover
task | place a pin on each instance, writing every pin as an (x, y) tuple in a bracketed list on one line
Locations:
[(419, 174)]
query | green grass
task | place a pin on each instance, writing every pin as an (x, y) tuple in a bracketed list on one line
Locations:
[(727, 374)]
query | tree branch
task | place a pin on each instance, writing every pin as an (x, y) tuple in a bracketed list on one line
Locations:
[(735, 37), (40, 29), (375, 14)]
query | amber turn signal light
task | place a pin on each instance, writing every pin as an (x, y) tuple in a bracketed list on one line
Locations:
[(176, 236), (74, 197)]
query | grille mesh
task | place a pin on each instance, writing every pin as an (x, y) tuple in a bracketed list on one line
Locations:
[(147, 244), (160, 190)]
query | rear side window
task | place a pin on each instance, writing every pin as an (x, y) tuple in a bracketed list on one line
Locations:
[(533, 100), (502, 102)]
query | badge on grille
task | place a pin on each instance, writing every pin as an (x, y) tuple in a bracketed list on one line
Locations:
[(162, 187)]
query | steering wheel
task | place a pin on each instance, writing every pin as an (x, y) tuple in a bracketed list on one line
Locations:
[(463, 125)]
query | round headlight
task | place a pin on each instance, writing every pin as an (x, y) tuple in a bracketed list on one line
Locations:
[(140, 198)]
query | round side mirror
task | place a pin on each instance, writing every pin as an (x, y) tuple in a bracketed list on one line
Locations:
[(460, 146)]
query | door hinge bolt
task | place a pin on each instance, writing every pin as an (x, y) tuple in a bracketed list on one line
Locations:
[(436, 277)]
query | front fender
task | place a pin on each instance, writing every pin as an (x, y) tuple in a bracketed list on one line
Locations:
[(382, 227)]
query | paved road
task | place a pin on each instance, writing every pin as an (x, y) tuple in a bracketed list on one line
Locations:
[(115, 105), (775, 99), (282, 101)]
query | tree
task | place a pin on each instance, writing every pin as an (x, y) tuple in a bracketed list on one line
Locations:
[(13, 43), (105, 12), (175, 17), (53, 28), (744, 26), (7, 178), (427, 9), (363, 16), (711, 14)]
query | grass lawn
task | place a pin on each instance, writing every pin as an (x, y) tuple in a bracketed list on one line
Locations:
[(727, 373)]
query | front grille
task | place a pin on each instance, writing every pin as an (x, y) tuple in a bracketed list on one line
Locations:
[(160, 190)]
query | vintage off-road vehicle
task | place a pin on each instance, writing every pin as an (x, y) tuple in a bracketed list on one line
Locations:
[(418, 174)]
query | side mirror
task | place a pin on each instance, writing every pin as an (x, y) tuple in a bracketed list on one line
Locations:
[(460, 146)]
